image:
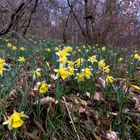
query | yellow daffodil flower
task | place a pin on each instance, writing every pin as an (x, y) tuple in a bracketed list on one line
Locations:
[(42, 87), (9, 45), (136, 56), (79, 77), (79, 61), (15, 120), (63, 73), (36, 73), (103, 48), (120, 59), (2, 61), (71, 70), (62, 53), (68, 49), (1, 69), (48, 49), (22, 48), (106, 69), (102, 63), (56, 48), (63, 60), (79, 50), (87, 73), (110, 79), (21, 59), (70, 63), (92, 59), (14, 48)]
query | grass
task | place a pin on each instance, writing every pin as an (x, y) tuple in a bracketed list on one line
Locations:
[(92, 106)]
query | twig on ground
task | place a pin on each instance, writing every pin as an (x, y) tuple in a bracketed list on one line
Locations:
[(71, 118)]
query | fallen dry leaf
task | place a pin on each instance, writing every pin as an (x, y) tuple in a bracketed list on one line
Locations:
[(102, 82), (80, 101), (97, 96), (111, 135), (82, 110), (88, 94), (46, 101)]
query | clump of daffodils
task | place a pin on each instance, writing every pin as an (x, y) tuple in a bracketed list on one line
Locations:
[(15, 120), (63, 71), (41, 87), (63, 55)]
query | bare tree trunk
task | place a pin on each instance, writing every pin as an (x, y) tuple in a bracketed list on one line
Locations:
[(30, 17), (87, 21), (65, 28), (81, 28)]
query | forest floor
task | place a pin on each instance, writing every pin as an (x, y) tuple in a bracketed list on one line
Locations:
[(55, 91)]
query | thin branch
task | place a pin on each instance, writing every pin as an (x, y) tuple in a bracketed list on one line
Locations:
[(75, 16), (71, 118)]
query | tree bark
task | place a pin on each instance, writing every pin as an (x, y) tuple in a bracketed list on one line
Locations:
[(87, 21), (12, 20)]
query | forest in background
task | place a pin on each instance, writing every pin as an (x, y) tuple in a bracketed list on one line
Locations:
[(105, 22)]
